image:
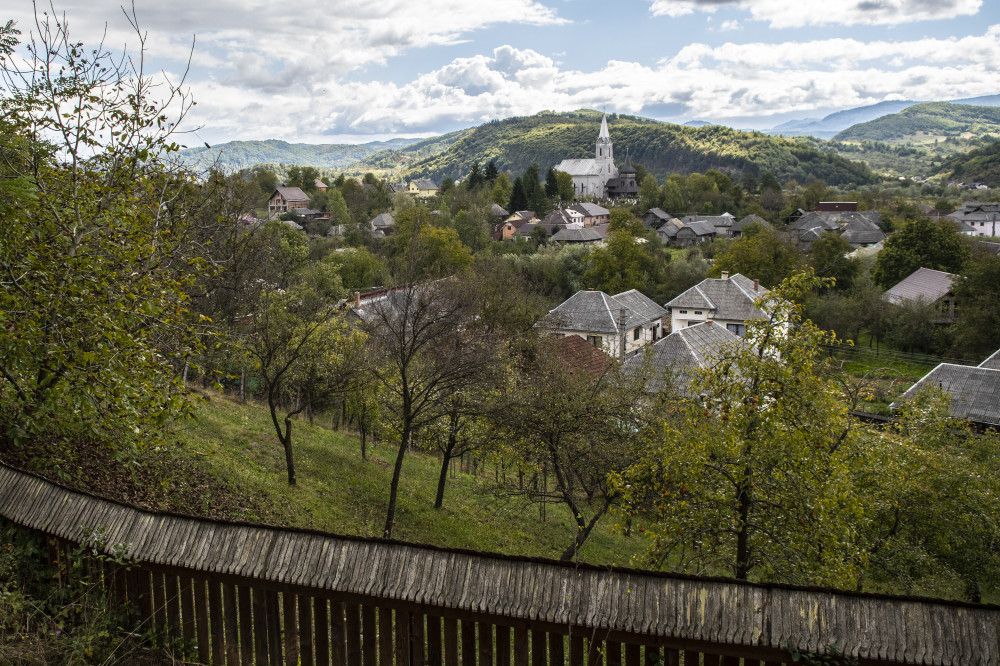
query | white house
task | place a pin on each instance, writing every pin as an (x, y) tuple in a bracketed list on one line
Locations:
[(728, 301), (608, 322)]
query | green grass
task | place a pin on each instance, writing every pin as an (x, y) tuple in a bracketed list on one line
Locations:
[(337, 491)]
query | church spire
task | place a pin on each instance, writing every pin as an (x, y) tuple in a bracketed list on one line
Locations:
[(605, 151), (604, 129)]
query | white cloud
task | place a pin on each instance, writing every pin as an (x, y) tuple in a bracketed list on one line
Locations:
[(730, 26), (798, 13)]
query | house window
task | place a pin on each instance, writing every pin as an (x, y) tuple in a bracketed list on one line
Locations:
[(635, 334), (697, 311), (684, 311), (737, 329), (595, 340)]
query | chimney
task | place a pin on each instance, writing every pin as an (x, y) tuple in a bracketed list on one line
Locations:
[(357, 299), (756, 285), (725, 275), (708, 322)]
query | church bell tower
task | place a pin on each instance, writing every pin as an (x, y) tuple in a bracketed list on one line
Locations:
[(605, 151)]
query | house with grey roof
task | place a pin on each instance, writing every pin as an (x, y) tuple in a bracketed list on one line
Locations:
[(673, 361), (862, 232), (619, 325), (736, 230), (383, 222), (590, 213), (974, 391), (728, 301), (722, 223), (694, 233), (654, 218), (928, 286), (978, 218), (582, 236), (284, 199)]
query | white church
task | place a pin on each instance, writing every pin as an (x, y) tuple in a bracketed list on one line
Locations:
[(591, 176)]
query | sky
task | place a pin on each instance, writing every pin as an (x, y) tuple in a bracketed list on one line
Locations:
[(350, 71)]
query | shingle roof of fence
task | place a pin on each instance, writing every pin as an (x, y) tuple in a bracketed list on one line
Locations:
[(898, 629)]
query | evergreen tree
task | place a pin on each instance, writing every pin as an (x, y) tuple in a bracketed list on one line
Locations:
[(551, 183), (518, 200), (491, 172)]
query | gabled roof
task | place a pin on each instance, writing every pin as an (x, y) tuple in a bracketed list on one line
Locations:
[(291, 193), (923, 284), (974, 391), (577, 354), (558, 216), (992, 362), (730, 299), (862, 231), (590, 209), (658, 214), (699, 228), (596, 312), (496, 210), (382, 221), (571, 235), (425, 184), (749, 219), (676, 357), (580, 167)]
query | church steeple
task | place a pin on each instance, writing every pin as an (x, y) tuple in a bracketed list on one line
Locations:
[(605, 150)]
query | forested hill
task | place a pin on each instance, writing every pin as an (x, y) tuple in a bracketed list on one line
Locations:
[(240, 154), (923, 121), (663, 148), (981, 166)]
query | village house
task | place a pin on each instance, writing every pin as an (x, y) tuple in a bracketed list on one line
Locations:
[(671, 362), (590, 214), (974, 390), (728, 301), (284, 199), (422, 188), (929, 286), (619, 325)]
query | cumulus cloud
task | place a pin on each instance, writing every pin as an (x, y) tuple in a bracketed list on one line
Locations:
[(798, 13)]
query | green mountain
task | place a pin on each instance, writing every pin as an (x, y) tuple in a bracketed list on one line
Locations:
[(981, 166), (663, 148), (398, 160), (927, 123), (242, 154)]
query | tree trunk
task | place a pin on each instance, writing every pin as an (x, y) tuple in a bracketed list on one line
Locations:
[(743, 502), (288, 451), (448, 451), (390, 514)]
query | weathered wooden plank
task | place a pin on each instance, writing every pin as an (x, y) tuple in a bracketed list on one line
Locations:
[(402, 638), (202, 620), (633, 656), (369, 627), (596, 650), (451, 651), (503, 645), (418, 641), (384, 635), (231, 623), (291, 629), (435, 645), (216, 627), (577, 656), (305, 611), (613, 654), (261, 653), (485, 642), (343, 632), (539, 648), (468, 643), (557, 649), (246, 625), (274, 642), (321, 629), (170, 584), (189, 622), (522, 646), (159, 602), (652, 656)]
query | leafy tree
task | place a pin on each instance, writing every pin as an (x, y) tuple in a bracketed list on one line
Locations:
[(828, 257), (576, 424), (491, 173), (502, 191), (304, 178), (920, 243), (358, 268), (564, 183), (625, 262), (97, 245), (649, 194), (534, 192), (977, 298), (476, 178), (303, 353), (672, 198), (759, 254), (754, 477), (426, 251), (337, 207)]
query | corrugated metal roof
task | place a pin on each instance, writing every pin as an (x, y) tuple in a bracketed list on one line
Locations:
[(732, 298), (974, 391), (676, 357), (923, 284)]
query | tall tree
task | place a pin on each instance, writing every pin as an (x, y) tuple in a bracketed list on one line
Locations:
[(754, 479), (920, 243), (518, 198), (977, 298), (97, 246), (759, 254)]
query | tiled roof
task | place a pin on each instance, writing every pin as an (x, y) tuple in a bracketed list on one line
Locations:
[(425, 184), (749, 219), (497, 211), (570, 235), (580, 167), (861, 231), (577, 354), (974, 391), (992, 362), (292, 193), (732, 298), (676, 357), (923, 284), (382, 221), (596, 312), (590, 209)]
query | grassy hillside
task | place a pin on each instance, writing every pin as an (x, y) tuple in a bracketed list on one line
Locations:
[(339, 492), (393, 161), (925, 123), (515, 143), (981, 165), (241, 154)]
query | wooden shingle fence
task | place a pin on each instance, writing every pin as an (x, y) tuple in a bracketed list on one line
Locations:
[(245, 594)]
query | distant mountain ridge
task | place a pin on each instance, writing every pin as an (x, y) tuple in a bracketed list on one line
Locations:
[(933, 119), (829, 126), (242, 154)]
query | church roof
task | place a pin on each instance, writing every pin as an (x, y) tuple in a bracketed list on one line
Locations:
[(604, 129), (580, 167)]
